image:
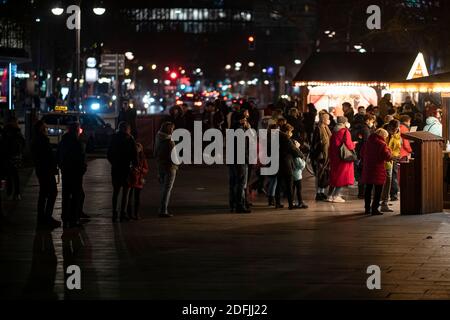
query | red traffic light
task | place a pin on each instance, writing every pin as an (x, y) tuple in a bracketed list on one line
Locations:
[(173, 75)]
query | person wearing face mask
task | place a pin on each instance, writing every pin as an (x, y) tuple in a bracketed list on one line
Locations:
[(341, 171), (319, 155)]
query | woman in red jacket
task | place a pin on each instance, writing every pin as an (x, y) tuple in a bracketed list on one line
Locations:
[(374, 154), (341, 172), (137, 181)]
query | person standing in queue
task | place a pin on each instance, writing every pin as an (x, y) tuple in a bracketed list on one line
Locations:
[(167, 169), (289, 150), (375, 153), (122, 155), (46, 169), (72, 162), (341, 171), (137, 181)]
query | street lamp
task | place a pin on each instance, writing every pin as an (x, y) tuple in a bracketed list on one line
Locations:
[(57, 10)]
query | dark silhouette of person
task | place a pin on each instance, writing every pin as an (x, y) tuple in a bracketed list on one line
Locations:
[(46, 169), (2, 173), (122, 155), (14, 146), (72, 162), (129, 116)]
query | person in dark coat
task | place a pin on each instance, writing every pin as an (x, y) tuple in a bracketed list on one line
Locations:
[(46, 169), (14, 146), (2, 173), (122, 155), (349, 113), (361, 133), (254, 115), (239, 173), (309, 120), (72, 162), (295, 120), (167, 169), (374, 154), (288, 152)]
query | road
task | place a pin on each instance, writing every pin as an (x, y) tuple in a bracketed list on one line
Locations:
[(205, 252)]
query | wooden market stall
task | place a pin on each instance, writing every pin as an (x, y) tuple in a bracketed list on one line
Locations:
[(439, 86), (328, 79)]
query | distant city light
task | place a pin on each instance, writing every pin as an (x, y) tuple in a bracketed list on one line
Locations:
[(69, 75), (155, 81), (327, 31), (297, 61), (154, 66), (129, 55), (198, 70), (242, 82), (173, 75), (183, 71), (140, 68), (270, 70), (38, 20), (227, 67), (114, 98), (238, 64), (266, 82), (362, 50), (357, 46), (251, 64), (167, 82), (57, 11), (264, 70), (99, 11), (166, 69), (127, 71)]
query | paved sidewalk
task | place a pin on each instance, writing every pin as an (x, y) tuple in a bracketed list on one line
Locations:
[(204, 252)]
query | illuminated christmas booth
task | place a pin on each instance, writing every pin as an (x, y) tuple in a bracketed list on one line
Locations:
[(328, 79)]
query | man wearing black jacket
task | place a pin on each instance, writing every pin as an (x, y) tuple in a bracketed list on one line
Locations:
[(122, 155), (288, 152), (46, 169), (72, 162)]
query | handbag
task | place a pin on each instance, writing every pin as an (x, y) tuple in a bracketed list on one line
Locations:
[(345, 154)]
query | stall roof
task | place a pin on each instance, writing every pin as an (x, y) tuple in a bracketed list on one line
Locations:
[(13, 55), (356, 67), (439, 83), (435, 78)]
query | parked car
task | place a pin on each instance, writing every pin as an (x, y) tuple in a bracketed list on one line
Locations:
[(95, 131)]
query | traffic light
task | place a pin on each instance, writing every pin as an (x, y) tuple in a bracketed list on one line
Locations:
[(251, 43), (173, 75)]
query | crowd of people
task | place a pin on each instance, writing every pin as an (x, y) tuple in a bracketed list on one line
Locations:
[(366, 146)]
